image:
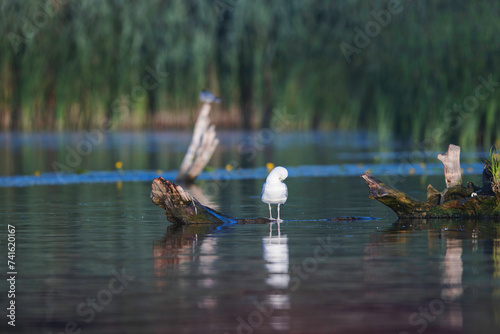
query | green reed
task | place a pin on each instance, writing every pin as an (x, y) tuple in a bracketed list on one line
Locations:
[(71, 68)]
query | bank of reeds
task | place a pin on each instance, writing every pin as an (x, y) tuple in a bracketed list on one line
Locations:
[(76, 64)]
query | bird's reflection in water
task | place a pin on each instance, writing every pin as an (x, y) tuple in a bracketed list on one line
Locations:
[(275, 253)]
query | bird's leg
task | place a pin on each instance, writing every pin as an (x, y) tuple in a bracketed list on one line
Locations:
[(278, 212), (270, 214)]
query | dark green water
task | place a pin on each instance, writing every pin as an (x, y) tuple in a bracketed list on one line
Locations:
[(102, 258)]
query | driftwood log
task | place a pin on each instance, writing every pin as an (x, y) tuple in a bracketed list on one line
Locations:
[(455, 201), (183, 209)]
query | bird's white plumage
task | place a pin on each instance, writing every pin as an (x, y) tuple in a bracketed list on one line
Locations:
[(274, 191)]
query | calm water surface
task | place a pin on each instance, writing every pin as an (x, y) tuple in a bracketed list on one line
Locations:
[(102, 258)]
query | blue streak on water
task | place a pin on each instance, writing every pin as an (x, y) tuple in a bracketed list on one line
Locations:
[(228, 221), (238, 174)]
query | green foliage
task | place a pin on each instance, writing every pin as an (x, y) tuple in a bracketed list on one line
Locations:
[(494, 165), (412, 80)]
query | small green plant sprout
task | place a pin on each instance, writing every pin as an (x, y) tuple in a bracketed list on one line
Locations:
[(495, 170)]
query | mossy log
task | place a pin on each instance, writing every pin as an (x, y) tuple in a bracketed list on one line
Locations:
[(463, 206), (455, 201)]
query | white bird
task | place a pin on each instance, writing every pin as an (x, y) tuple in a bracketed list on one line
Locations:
[(274, 191)]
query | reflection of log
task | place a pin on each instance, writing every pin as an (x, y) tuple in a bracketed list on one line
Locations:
[(182, 208), (201, 149), (468, 228), (454, 201), (175, 247)]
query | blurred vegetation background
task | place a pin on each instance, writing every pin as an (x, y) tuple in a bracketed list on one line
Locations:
[(79, 64)]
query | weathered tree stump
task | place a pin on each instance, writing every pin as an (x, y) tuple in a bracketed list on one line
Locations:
[(451, 164), (455, 201), (201, 149)]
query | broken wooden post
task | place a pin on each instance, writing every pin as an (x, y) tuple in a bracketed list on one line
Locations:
[(451, 165), (455, 201), (201, 149)]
